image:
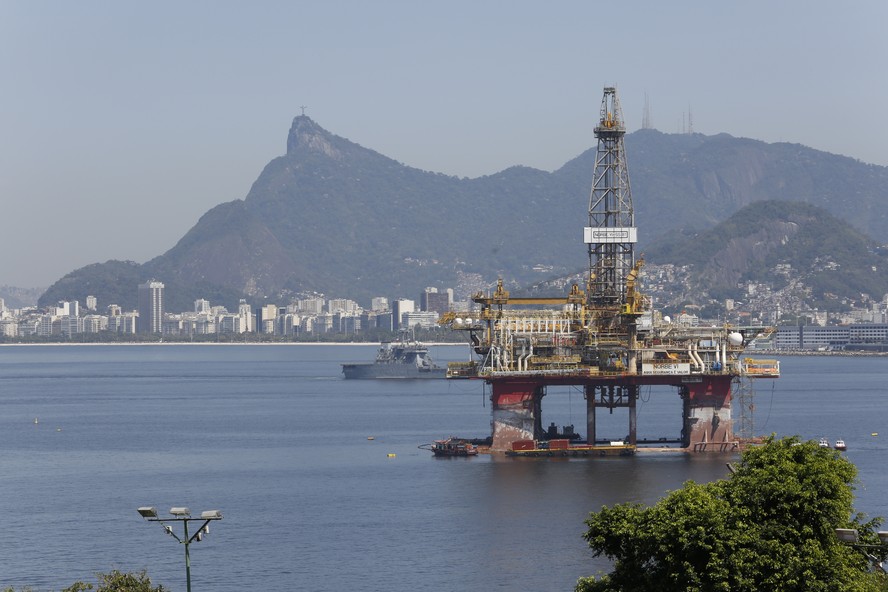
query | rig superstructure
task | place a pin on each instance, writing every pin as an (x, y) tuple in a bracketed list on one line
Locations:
[(605, 337)]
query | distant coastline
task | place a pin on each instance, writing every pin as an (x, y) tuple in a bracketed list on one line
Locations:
[(214, 343), (758, 352), (810, 352)]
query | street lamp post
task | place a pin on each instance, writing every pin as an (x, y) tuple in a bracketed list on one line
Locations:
[(183, 515), (852, 538)]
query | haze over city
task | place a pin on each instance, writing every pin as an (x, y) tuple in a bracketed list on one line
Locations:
[(122, 123)]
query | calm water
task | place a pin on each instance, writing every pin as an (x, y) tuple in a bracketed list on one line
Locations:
[(274, 438)]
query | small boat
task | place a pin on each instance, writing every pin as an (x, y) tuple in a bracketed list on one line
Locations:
[(824, 443), (451, 447), (840, 445)]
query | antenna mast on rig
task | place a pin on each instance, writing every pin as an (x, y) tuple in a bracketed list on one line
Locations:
[(611, 233)]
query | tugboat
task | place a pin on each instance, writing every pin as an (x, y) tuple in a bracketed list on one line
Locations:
[(405, 359), (451, 447)]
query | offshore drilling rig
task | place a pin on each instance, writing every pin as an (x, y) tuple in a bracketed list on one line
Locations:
[(604, 337)]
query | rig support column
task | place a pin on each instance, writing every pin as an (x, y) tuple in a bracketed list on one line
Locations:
[(707, 421), (633, 424), (515, 412), (589, 392)]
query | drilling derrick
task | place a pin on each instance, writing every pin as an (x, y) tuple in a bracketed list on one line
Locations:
[(611, 233)]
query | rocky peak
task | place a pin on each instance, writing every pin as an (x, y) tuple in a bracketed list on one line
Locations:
[(305, 134)]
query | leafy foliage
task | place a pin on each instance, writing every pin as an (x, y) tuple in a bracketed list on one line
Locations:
[(117, 581), (113, 581), (770, 526)]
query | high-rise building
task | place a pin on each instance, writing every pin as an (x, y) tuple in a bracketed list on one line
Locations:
[(434, 301), (150, 307), (311, 305), (245, 312), (266, 319), (400, 307), (341, 305)]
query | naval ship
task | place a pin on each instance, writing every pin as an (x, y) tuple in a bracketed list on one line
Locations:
[(403, 359)]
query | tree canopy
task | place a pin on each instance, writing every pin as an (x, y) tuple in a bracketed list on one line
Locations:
[(769, 526), (117, 581)]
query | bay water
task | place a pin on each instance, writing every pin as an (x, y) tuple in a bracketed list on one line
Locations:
[(320, 479)]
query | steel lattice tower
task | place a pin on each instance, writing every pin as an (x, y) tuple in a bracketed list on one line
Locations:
[(611, 234)]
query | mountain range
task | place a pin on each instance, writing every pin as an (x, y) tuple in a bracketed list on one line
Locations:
[(332, 217)]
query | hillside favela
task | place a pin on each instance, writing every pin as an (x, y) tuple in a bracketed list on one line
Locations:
[(653, 358)]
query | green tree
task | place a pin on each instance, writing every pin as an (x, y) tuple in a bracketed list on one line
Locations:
[(769, 526), (117, 581)]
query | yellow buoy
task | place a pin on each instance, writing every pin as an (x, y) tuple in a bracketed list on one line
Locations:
[(874, 434), (392, 455)]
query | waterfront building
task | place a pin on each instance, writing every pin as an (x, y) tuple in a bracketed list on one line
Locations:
[(29, 325), (855, 336), (205, 324), (290, 324), (150, 307), (426, 320), (346, 323), (311, 306), (45, 327), (401, 307), (306, 324), (266, 318), (95, 323), (245, 312), (385, 320), (70, 325), (9, 328), (433, 301), (324, 323), (230, 323), (345, 305)]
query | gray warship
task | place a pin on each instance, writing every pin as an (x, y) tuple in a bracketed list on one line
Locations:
[(402, 359)]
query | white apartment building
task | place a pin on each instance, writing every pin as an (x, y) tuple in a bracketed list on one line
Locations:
[(342, 305), (311, 306), (426, 320)]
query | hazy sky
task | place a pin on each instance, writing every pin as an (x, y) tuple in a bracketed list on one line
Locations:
[(121, 123)]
